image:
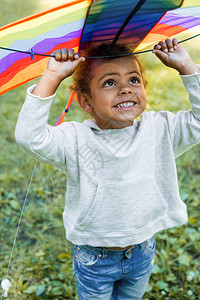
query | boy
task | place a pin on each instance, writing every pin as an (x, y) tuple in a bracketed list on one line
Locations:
[(127, 189)]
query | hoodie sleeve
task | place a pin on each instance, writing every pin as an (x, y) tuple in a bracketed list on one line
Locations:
[(49, 144), (184, 126)]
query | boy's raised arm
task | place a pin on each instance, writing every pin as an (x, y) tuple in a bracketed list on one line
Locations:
[(40, 140), (184, 126)]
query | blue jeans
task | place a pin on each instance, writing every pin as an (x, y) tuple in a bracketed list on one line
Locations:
[(113, 275)]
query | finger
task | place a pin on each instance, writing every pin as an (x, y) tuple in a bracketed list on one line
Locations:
[(58, 55), (64, 53), (160, 54), (169, 45), (163, 46), (70, 54), (78, 61), (76, 55), (175, 43), (157, 47)]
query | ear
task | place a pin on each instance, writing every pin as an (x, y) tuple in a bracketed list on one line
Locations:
[(85, 102)]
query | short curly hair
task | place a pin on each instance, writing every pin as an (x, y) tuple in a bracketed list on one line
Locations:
[(84, 73)]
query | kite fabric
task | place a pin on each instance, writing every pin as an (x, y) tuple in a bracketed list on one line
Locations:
[(80, 23)]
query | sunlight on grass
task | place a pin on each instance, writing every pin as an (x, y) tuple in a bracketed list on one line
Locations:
[(13, 10)]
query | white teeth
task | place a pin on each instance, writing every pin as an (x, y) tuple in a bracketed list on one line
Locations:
[(125, 104)]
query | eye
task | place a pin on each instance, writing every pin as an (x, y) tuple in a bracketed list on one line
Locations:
[(108, 83), (135, 80)]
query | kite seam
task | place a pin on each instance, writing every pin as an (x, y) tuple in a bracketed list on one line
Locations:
[(130, 16)]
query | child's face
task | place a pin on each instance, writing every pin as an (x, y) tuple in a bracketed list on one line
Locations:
[(117, 93)]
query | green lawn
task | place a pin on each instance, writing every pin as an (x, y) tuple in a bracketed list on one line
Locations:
[(42, 260)]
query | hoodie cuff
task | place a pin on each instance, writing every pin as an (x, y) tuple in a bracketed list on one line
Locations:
[(31, 88)]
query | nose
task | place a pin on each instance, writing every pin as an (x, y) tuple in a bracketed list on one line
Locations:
[(125, 89)]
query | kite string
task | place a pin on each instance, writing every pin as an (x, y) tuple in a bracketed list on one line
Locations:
[(31, 53), (25, 200), (19, 222), (144, 51)]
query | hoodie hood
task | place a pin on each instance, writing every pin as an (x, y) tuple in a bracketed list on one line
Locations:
[(91, 123)]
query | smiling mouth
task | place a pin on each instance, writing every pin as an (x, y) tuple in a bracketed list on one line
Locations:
[(125, 105)]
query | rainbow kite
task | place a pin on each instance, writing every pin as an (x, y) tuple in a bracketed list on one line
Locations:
[(83, 22)]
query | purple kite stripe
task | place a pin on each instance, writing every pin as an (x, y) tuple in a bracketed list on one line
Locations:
[(42, 47), (178, 20), (54, 33)]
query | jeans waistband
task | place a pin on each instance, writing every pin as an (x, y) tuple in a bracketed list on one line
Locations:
[(104, 252)]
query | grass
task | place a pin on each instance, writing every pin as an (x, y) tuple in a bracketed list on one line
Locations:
[(42, 265)]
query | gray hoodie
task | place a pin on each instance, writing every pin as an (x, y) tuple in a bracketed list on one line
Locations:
[(122, 184)]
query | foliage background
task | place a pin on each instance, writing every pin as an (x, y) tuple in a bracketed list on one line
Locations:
[(42, 266)]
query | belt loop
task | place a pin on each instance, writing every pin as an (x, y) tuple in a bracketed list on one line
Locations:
[(104, 253), (127, 253), (143, 244)]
